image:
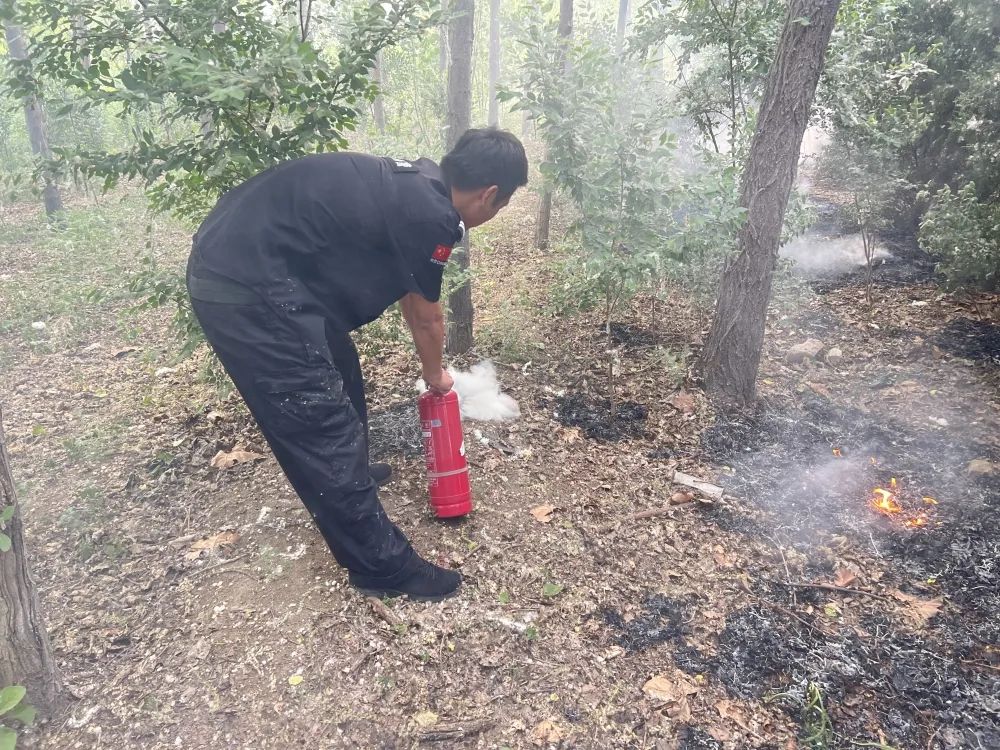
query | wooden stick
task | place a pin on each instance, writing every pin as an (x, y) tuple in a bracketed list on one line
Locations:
[(830, 587), (210, 568), (455, 731), (713, 491), (387, 615)]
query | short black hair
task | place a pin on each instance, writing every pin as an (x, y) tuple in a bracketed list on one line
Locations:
[(487, 156)]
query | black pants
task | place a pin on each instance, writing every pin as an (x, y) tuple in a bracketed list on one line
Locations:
[(308, 399)]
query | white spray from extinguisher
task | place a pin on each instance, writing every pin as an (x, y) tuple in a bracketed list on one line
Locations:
[(479, 394)]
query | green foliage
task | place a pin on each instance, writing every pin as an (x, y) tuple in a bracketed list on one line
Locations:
[(817, 729), (910, 91), (611, 156), (719, 52), (6, 514), (211, 94), (13, 708), (965, 234), (239, 87)]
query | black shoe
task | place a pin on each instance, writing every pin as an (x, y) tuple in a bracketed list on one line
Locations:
[(380, 473), (419, 580)]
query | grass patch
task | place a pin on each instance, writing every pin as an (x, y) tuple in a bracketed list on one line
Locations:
[(71, 277)]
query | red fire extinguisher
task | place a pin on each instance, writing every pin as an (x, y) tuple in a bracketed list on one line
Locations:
[(444, 449)]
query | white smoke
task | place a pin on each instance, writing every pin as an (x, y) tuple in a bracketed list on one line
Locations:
[(479, 394)]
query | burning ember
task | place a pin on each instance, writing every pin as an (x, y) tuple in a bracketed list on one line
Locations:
[(887, 502)]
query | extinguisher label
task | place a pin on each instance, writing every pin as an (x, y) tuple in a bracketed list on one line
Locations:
[(435, 423)]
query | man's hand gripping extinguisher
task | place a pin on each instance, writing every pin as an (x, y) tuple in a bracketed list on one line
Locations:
[(444, 449)]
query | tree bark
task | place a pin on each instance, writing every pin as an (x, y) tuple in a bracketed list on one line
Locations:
[(732, 352), (34, 119), (25, 656), (461, 30), (622, 25), (545, 204), (378, 105), (493, 116)]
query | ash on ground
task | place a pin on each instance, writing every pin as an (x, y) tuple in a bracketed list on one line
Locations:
[(976, 340), (594, 416), (807, 472), (660, 622), (395, 432)]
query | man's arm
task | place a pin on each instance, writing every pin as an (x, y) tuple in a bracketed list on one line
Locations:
[(426, 322)]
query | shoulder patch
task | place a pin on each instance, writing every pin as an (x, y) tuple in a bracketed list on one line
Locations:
[(401, 165), (441, 255)]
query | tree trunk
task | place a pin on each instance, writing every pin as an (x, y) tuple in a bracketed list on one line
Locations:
[(25, 657), (622, 25), (493, 117), (34, 118), (460, 37), (378, 106), (545, 204), (732, 351)]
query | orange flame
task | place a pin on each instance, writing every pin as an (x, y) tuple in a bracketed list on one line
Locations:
[(885, 502)]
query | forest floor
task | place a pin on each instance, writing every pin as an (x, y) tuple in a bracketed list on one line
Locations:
[(196, 607)]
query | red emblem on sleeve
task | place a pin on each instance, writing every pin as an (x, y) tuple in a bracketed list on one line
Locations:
[(441, 254)]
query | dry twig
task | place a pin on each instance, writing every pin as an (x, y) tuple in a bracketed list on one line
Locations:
[(455, 731)]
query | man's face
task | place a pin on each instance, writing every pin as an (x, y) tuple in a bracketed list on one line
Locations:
[(483, 206)]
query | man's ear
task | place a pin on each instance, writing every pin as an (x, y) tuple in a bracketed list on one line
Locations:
[(490, 194)]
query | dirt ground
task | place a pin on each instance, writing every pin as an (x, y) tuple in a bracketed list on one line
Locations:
[(192, 607)]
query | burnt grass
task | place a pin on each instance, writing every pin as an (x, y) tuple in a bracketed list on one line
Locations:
[(596, 417), (977, 340), (942, 680)]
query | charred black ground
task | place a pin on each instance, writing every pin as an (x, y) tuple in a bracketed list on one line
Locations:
[(598, 418), (978, 340)]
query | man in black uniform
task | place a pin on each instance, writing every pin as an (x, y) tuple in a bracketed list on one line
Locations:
[(281, 271)]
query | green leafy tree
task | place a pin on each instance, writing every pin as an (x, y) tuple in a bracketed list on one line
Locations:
[(612, 162), (720, 51), (213, 93), (241, 89), (965, 234)]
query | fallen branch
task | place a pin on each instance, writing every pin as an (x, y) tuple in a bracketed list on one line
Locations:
[(454, 731), (831, 587), (386, 614), (713, 491), (210, 568)]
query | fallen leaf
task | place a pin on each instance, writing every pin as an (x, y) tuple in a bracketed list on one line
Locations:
[(680, 710), (684, 402), (546, 732), (425, 718), (295, 679), (679, 498), (162, 372), (822, 390), (663, 688), (216, 540), (733, 712), (543, 513), (569, 435), (844, 577), (551, 589), (917, 610), (223, 460)]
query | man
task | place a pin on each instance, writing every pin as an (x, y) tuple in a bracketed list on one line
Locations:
[(281, 271)]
